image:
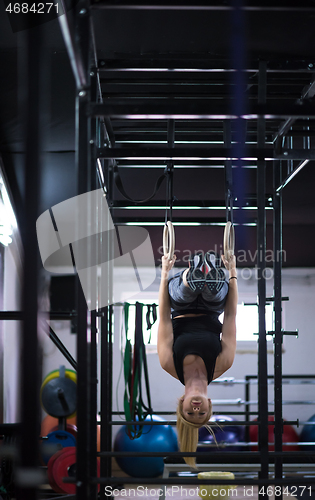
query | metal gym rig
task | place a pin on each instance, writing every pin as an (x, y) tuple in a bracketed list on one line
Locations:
[(96, 151)]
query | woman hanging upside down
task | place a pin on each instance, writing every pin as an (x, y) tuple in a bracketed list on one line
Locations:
[(189, 344)]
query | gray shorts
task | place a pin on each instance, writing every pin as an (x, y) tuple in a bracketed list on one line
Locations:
[(185, 300)]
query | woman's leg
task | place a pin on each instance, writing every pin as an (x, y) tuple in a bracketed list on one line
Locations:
[(215, 301), (216, 288), (185, 287), (179, 291)]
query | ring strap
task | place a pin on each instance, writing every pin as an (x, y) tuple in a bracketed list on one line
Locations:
[(120, 187)]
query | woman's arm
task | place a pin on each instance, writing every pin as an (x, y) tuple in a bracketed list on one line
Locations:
[(228, 341), (165, 329)]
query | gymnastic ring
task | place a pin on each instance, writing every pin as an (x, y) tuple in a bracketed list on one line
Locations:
[(169, 240), (228, 240)]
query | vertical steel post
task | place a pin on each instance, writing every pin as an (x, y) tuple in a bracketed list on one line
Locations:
[(107, 400), (106, 352), (93, 405), (247, 406), (106, 393), (93, 345), (1, 329), (83, 162), (27, 473), (83, 400), (261, 277), (278, 337)]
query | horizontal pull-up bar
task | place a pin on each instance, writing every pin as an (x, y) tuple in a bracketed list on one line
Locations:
[(19, 315), (173, 422), (219, 423), (202, 153), (203, 5), (249, 203), (186, 69), (173, 413), (182, 481), (180, 221), (177, 454)]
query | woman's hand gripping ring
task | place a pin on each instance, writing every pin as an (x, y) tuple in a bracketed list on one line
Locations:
[(228, 240)]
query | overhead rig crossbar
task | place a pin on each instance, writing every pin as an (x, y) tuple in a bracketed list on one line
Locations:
[(178, 154), (174, 65), (204, 5), (250, 204), (196, 109)]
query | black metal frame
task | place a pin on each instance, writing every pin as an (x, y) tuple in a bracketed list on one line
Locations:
[(27, 467), (261, 266), (93, 138)]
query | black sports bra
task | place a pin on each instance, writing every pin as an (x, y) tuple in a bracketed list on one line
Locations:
[(198, 335)]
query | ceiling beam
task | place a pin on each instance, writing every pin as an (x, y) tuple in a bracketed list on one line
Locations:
[(249, 5), (196, 109), (180, 154)]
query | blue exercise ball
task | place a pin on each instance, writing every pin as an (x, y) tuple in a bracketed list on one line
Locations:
[(308, 435), (159, 438), (225, 434)]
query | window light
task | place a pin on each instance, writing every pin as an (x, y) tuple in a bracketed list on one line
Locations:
[(7, 218)]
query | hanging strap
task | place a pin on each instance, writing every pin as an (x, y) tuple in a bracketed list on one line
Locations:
[(229, 237), (120, 187), (134, 406), (141, 360), (127, 366), (168, 231), (131, 381), (151, 308), (169, 171), (148, 408), (228, 174)]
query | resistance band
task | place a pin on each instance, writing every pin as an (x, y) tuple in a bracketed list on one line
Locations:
[(151, 309), (134, 360)]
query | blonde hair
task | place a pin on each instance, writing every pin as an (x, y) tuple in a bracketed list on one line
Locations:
[(188, 435)]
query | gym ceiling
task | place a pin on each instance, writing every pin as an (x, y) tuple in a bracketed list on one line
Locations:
[(170, 59)]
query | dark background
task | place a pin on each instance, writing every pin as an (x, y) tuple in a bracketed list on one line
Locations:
[(172, 39)]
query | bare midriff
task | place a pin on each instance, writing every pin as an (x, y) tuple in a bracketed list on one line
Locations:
[(191, 315)]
